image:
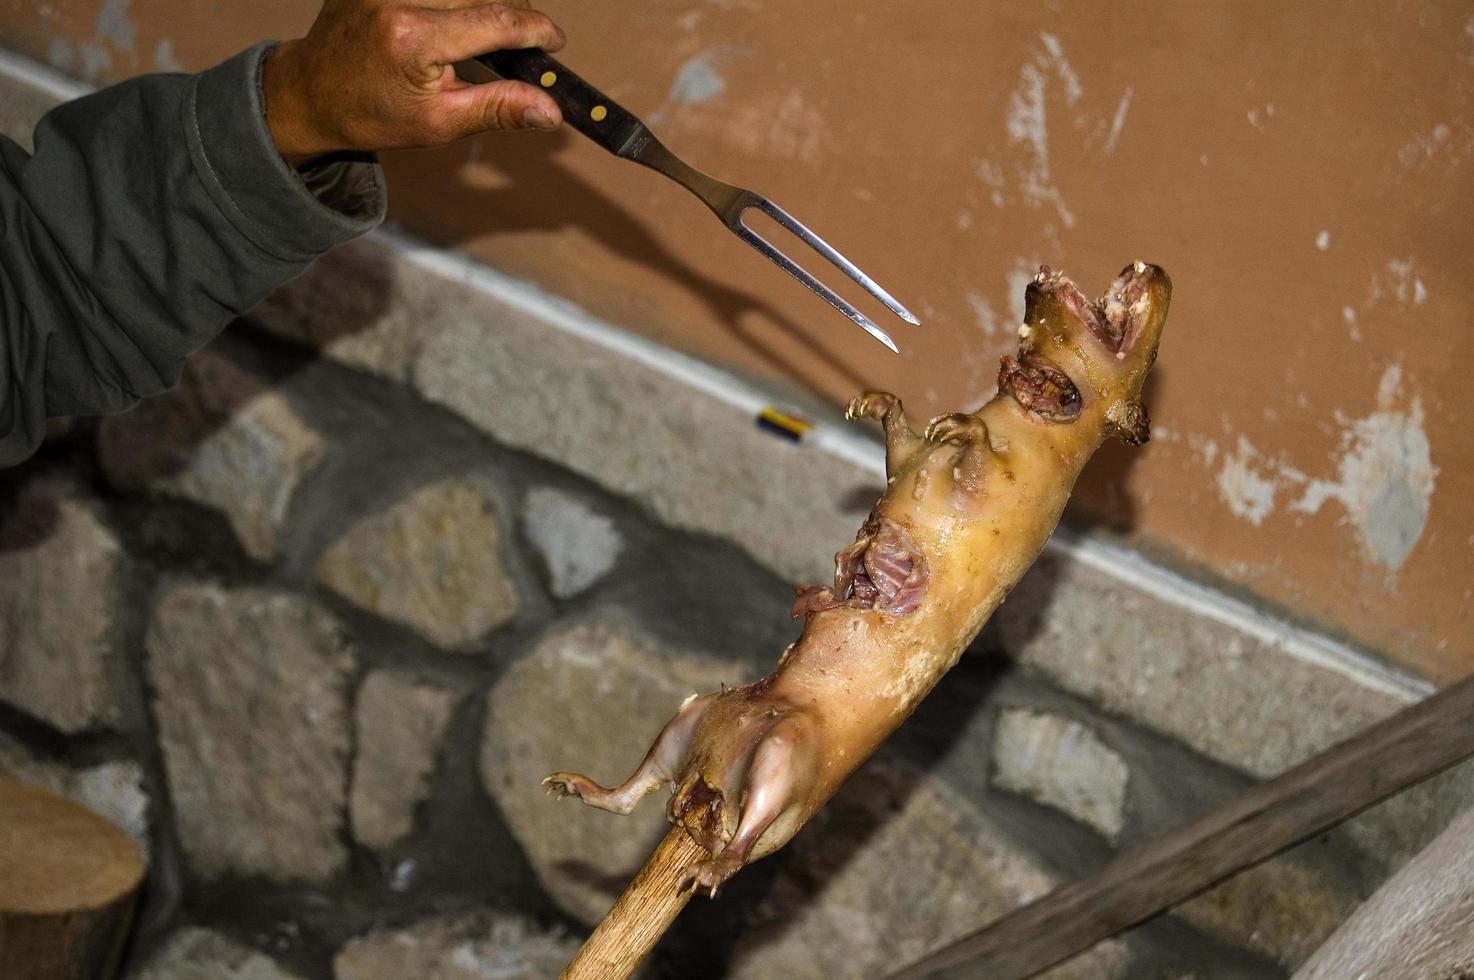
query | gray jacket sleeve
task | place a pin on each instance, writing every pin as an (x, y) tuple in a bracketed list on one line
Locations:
[(150, 214)]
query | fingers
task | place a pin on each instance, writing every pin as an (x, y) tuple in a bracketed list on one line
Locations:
[(464, 32), (496, 105)]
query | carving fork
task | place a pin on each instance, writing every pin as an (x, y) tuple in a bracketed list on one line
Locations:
[(617, 130)]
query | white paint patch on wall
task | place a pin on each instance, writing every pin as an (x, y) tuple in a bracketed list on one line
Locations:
[(1117, 121), (1424, 148), (96, 60), (1248, 492), (1027, 124), (1323, 240), (992, 175), (165, 60), (1400, 282), (114, 25), (61, 55), (1385, 475), (984, 314), (699, 80), (1384, 480)]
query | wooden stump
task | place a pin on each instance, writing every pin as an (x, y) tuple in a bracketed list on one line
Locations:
[(68, 880)]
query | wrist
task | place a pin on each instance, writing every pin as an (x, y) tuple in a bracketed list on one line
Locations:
[(286, 117)]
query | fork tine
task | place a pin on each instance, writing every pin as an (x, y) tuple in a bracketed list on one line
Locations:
[(828, 295), (825, 249)]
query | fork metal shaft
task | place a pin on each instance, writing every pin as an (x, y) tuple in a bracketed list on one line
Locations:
[(616, 129)]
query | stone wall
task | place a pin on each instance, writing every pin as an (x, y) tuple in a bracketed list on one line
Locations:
[(312, 625), (313, 636)]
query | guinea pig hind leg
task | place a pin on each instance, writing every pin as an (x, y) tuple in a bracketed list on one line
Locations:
[(781, 771), (665, 758), (885, 408)]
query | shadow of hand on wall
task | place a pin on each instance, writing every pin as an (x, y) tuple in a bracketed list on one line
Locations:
[(248, 374), (538, 193)]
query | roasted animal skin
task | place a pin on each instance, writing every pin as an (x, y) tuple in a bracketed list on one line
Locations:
[(967, 508)]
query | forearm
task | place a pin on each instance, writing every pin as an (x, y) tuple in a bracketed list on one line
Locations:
[(150, 214), (155, 211)]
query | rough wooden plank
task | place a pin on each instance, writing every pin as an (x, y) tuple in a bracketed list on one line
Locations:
[(1389, 756)]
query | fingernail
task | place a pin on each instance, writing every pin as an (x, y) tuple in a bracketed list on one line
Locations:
[(539, 118)]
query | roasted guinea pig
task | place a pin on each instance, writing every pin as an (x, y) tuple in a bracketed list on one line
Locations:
[(967, 508)]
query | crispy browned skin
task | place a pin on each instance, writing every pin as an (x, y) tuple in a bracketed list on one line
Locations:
[(967, 508)]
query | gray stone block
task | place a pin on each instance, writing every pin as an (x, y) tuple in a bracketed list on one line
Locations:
[(896, 866), (473, 946), (577, 545), (59, 606), (432, 561), (199, 954), (223, 438), (690, 457), (590, 697), (398, 722), (1221, 691), (1280, 909), (1237, 696), (1061, 763), (250, 697)]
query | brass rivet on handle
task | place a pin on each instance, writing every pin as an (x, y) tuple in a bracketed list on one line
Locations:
[(598, 113), (548, 79)]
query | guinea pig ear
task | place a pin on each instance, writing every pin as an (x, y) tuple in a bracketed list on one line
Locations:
[(1054, 306), (1135, 308)]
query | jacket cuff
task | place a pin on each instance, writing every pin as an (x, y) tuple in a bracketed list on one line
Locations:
[(293, 217)]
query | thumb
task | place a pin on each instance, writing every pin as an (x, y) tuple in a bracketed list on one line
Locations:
[(498, 105)]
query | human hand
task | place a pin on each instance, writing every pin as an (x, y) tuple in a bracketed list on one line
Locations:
[(379, 74)]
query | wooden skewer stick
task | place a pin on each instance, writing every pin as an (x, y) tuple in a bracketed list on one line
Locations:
[(1386, 757), (643, 913)]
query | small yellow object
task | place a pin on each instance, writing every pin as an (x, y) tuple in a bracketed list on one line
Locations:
[(549, 77), (598, 113), (782, 424), (1024, 330)]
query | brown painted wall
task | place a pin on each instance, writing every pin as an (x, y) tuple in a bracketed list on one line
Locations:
[(1304, 171)]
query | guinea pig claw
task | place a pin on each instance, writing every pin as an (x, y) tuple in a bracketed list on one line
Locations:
[(561, 784), (870, 405), (710, 874), (958, 427)]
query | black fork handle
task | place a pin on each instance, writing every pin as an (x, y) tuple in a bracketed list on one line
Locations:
[(585, 108)]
